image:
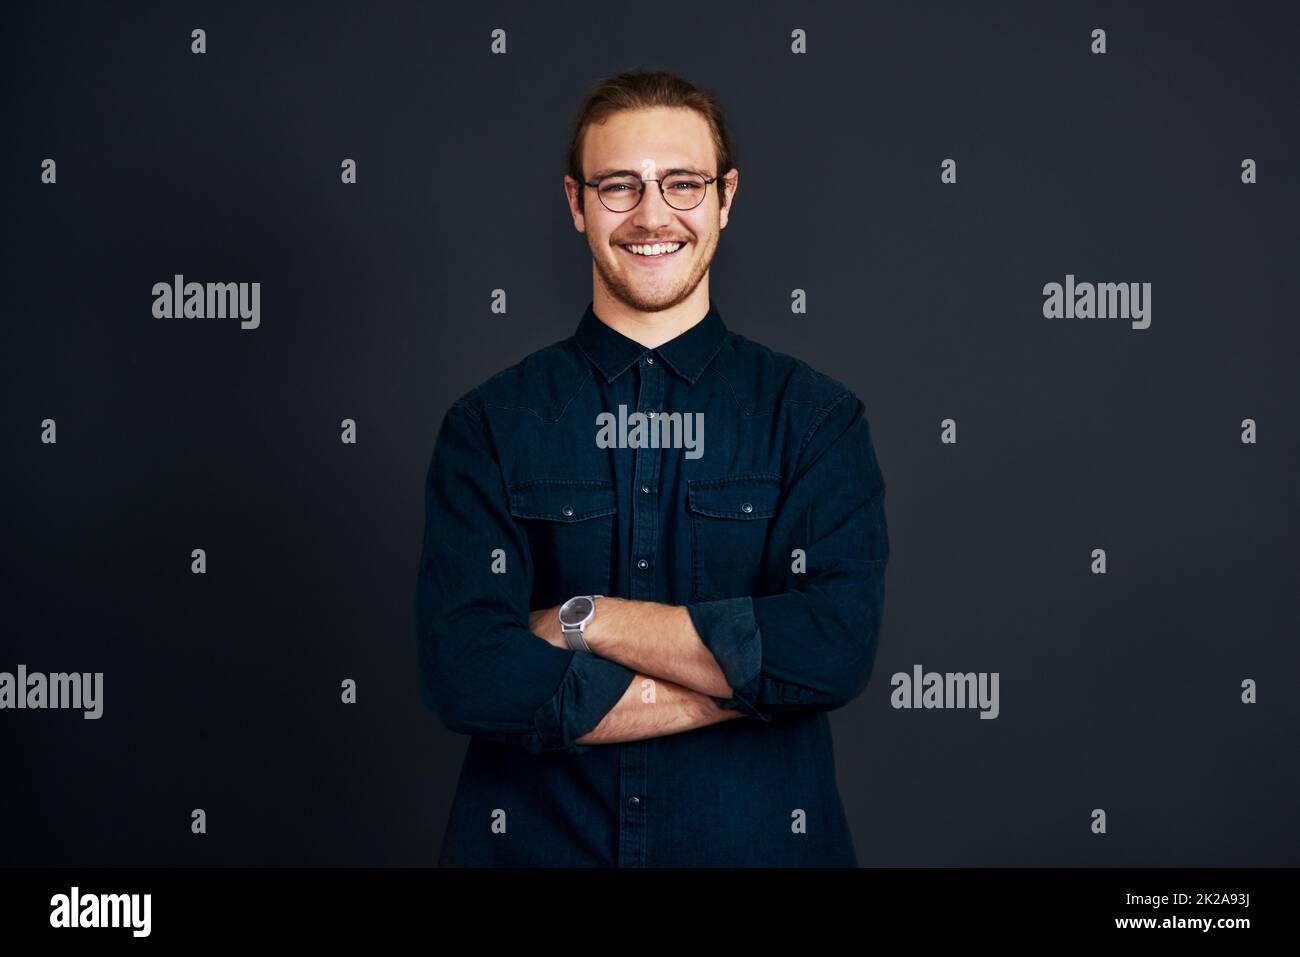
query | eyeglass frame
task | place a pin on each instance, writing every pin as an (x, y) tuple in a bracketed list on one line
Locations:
[(657, 179)]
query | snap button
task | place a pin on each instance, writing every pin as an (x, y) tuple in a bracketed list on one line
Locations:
[(567, 510), (650, 360), (643, 564), (746, 507), (646, 489), (633, 801)]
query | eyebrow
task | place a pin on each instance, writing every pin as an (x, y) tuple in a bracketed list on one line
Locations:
[(631, 172)]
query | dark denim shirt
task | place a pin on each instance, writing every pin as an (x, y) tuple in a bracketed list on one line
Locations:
[(774, 538)]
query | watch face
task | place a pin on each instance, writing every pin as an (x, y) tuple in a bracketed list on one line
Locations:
[(575, 610)]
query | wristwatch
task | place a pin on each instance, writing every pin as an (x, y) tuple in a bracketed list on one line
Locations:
[(575, 615)]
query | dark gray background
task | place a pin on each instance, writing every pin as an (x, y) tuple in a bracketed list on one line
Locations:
[(222, 691)]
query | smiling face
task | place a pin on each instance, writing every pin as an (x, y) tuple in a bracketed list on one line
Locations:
[(650, 142)]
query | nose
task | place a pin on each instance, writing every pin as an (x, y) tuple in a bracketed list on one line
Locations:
[(653, 212)]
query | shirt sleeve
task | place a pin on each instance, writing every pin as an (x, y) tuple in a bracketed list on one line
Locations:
[(811, 646), (482, 670)]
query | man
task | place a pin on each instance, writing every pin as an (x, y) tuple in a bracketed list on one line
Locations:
[(719, 597)]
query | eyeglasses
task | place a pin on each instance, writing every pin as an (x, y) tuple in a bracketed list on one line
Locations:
[(622, 191)]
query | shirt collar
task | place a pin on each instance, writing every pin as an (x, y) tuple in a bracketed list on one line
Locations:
[(689, 354)]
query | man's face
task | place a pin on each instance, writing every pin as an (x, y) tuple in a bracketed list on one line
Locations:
[(668, 138)]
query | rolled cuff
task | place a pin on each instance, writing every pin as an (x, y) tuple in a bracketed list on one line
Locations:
[(590, 688), (727, 627)]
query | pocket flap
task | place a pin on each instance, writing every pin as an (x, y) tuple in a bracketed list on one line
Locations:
[(735, 496), (562, 500)]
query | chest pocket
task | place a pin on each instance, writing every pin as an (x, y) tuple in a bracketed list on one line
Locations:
[(730, 517), (570, 526)]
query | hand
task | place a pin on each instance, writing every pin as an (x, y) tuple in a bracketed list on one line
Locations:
[(545, 624)]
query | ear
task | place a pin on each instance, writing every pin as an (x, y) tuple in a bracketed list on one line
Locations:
[(731, 183), (573, 195)]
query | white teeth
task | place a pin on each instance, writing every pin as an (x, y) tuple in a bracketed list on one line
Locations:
[(658, 249)]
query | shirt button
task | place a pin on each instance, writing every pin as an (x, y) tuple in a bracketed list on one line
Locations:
[(568, 510), (633, 801), (643, 564), (650, 360), (646, 489), (746, 507)]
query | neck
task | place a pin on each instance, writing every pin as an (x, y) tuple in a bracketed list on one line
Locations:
[(651, 329)]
